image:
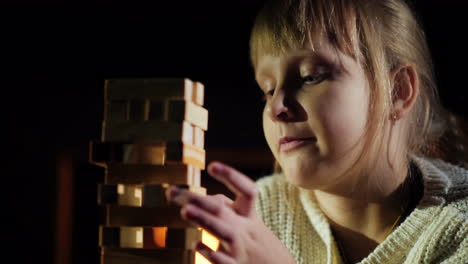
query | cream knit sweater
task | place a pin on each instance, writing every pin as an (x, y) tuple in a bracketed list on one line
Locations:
[(435, 232)]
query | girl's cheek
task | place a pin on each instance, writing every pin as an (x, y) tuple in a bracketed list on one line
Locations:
[(343, 119), (336, 124), (268, 131)]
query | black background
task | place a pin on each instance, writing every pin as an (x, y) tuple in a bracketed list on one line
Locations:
[(57, 55)]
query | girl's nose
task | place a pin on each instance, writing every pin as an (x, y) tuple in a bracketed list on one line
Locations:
[(278, 109)]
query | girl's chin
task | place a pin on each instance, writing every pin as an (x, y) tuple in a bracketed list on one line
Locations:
[(301, 178)]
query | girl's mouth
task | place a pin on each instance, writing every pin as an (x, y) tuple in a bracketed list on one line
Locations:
[(290, 143)]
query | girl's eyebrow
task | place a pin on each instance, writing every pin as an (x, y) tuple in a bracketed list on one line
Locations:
[(304, 56), (318, 56), (332, 59)]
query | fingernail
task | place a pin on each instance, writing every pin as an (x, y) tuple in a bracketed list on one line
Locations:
[(203, 251), (216, 168), (174, 191), (191, 212), (199, 246)]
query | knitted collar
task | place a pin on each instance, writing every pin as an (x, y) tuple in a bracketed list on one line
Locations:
[(436, 182), (436, 187)]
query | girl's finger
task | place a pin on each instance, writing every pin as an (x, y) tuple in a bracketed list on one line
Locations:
[(219, 228), (224, 199), (215, 257), (238, 183), (183, 197)]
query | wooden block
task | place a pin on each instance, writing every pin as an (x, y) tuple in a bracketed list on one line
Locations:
[(157, 110), (135, 110), (120, 194), (138, 110), (187, 154), (168, 216), (188, 111), (116, 110), (154, 89), (148, 256), (149, 237), (199, 93), (209, 240), (138, 195), (199, 137), (196, 179), (150, 131), (151, 153), (152, 174)]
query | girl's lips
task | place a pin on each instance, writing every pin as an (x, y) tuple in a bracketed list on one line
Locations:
[(290, 143)]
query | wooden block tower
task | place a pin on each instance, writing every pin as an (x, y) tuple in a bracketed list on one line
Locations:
[(152, 137)]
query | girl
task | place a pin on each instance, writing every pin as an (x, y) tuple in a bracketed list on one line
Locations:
[(352, 119)]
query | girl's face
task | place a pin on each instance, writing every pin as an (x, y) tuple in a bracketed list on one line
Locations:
[(315, 113)]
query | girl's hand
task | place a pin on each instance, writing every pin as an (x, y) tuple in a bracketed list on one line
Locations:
[(243, 236)]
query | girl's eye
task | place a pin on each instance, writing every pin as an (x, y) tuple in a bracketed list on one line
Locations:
[(314, 79)]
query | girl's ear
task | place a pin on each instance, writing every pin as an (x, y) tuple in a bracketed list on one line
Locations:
[(405, 90)]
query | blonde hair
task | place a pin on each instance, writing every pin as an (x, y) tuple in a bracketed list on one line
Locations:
[(381, 35)]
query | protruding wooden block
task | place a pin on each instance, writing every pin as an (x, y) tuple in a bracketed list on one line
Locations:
[(209, 240), (138, 195), (199, 137), (148, 256), (150, 153), (187, 154), (149, 237), (153, 131), (152, 174), (174, 89), (168, 216), (199, 93), (188, 111)]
